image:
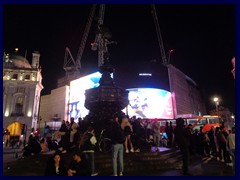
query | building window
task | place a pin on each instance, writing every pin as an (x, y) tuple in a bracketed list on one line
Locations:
[(15, 76), (19, 107), (27, 77)]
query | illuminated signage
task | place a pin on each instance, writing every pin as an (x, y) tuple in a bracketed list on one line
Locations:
[(150, 103), (77, 94), (145, 74), (143, 102)]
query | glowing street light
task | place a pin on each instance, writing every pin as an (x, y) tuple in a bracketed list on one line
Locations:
[(216, 101)]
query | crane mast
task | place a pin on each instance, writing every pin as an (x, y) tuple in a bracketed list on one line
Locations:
[(160, 40)]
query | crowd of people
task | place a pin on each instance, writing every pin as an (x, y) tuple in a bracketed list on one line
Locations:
[(217, 143), (129, 135)]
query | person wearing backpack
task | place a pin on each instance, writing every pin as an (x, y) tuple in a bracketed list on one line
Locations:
[(88, 149)]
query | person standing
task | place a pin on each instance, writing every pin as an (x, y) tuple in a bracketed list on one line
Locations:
[(118, 138), (73, 131), (182, 138), (88, 149), (170, 135), (211, 136), (156, 135), (231, 146), (128, 132)]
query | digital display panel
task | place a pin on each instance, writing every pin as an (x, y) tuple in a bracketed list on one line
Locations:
[(150, 103), (143, 102), (77, 94)]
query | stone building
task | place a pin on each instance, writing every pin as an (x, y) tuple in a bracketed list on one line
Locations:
[(22, 86)]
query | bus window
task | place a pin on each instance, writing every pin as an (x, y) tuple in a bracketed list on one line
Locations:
[(203, 121), (163, 123), (191, 121), (213, 120), (173, 123)]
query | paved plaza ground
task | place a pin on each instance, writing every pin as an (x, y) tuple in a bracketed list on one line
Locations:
[(13, 165)]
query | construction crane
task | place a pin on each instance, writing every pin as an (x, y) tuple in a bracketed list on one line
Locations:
[(72, 66), (160, 40)]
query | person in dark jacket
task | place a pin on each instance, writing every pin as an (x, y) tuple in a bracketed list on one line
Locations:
[(118, 138), (182, 138), (78, 166), (88, 149), (55, 166)]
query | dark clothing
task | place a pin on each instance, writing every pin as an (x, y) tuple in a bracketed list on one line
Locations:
[(170, 135), (63, 128), (118, 136), (51, 170), (136, 127), (87, 144), (212, 143), (127, 131), (32, 147), (221, 138), (182, 138), (136, 133), (81, 168)]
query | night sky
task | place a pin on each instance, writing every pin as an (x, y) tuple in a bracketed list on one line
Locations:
[(202, 37)]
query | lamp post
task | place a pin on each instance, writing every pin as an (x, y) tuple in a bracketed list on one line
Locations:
[(216, 101)]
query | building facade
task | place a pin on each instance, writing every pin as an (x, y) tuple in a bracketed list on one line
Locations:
[(54, 108), (22, 86), (186, 96)]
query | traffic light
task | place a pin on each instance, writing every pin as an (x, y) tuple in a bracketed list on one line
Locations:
[(23, 129)]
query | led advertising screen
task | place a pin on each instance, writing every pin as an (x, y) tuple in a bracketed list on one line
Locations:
[(150, 103), (77, 94)]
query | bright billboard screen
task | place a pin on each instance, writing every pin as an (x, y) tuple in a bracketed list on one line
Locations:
[(77, 94), (150, 103), (143, 102)]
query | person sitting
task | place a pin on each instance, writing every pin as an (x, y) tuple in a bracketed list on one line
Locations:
[(55, 166), (78, 166), (44, 145)]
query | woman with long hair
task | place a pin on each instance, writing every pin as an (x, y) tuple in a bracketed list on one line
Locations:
[(55, 166)]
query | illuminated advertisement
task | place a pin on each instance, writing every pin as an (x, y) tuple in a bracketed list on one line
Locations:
[(77, 94), (143, 102), (150, 103)]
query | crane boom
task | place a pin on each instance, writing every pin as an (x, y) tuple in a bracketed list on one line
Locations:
[(72, 66), (85, 36), (160, 40)]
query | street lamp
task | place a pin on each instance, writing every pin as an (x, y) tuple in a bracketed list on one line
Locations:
[(216, 100)]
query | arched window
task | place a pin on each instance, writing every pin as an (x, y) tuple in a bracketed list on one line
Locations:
[(19, 106)]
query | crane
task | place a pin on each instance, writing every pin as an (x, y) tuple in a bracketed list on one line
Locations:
[(72, 66), (160, 40)]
